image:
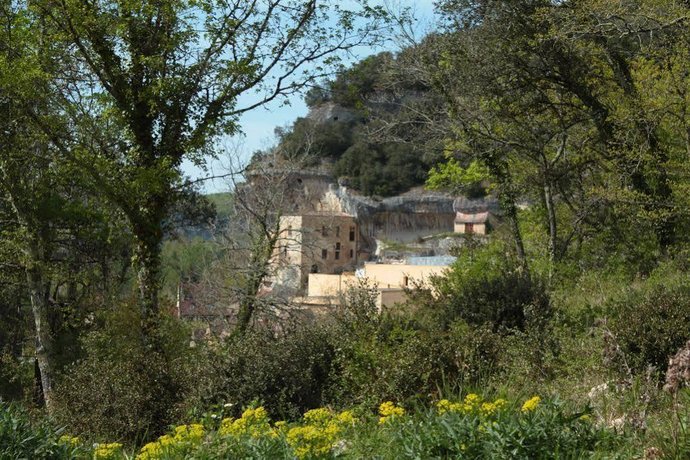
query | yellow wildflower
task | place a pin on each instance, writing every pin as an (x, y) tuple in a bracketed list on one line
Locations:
[(317, 416), (444, 406), (280, 425), (106, 451), (253, 422), (321, 433), (192, 434), (72, 441), (488, 408), (347, 418), (151, 451), (473, 399), (389, 410), (531, 404), (311, 440)]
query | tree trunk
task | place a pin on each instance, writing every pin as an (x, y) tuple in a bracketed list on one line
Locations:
[(509, 207), (147, 265), (553, 230), (38, 294)]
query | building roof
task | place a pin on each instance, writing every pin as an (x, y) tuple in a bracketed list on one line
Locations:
[(473, 218), (431, 260)]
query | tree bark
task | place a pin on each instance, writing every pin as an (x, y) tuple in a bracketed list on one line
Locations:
[(553, 229), (147, 264), (38, 294), (510, 209)]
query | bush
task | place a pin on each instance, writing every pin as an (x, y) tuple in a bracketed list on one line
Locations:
[(128, 386), (470, 428), (287, 372), (399, 362), (651, 324), (495, 429), (22, 438)]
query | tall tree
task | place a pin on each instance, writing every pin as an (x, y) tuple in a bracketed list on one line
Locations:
[(154, 83)]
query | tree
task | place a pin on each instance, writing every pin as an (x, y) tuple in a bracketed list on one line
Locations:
[(59, 234), (150, 84)]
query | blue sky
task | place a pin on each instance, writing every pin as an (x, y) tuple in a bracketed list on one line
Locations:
[(258, 125)]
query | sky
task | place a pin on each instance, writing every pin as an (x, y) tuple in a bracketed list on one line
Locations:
[(258, 125)]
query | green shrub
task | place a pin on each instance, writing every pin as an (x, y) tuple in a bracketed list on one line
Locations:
[(20, 437), (470, 428), (128, 386), (536, 430), (650, 324), (406, 364), (289, 372)]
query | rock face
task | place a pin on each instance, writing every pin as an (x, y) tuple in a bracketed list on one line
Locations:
[(406, 218), (330, 111)]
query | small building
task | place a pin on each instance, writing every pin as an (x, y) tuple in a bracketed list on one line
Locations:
[(475, 216), (477, 223)]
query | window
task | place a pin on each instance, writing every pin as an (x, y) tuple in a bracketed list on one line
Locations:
[(352, 253), (352, 233), (406, 280), (337, 231), (337, 251), (289, 230), (324, 231), (469, 228), (324, 254)]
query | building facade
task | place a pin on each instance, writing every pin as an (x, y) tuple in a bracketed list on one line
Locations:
[(316, 242)]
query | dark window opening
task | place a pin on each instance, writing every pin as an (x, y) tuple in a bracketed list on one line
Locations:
[(469, 228), (324, 231), (337, 231), (352, 253), (314, 268), (337, 255), (352, 233), (324, 254), (406, 280)]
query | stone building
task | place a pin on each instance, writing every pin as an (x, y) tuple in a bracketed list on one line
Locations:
[(316, 242), (475, 216)]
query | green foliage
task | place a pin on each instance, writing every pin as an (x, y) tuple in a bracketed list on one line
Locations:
[(352, 86), (650, 324), (372, 165), (471, 428), (397, 356), (548, 431), (484, 288), (127, 384), (22, 437), (289, 372), (381, 169), (453, 177)]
